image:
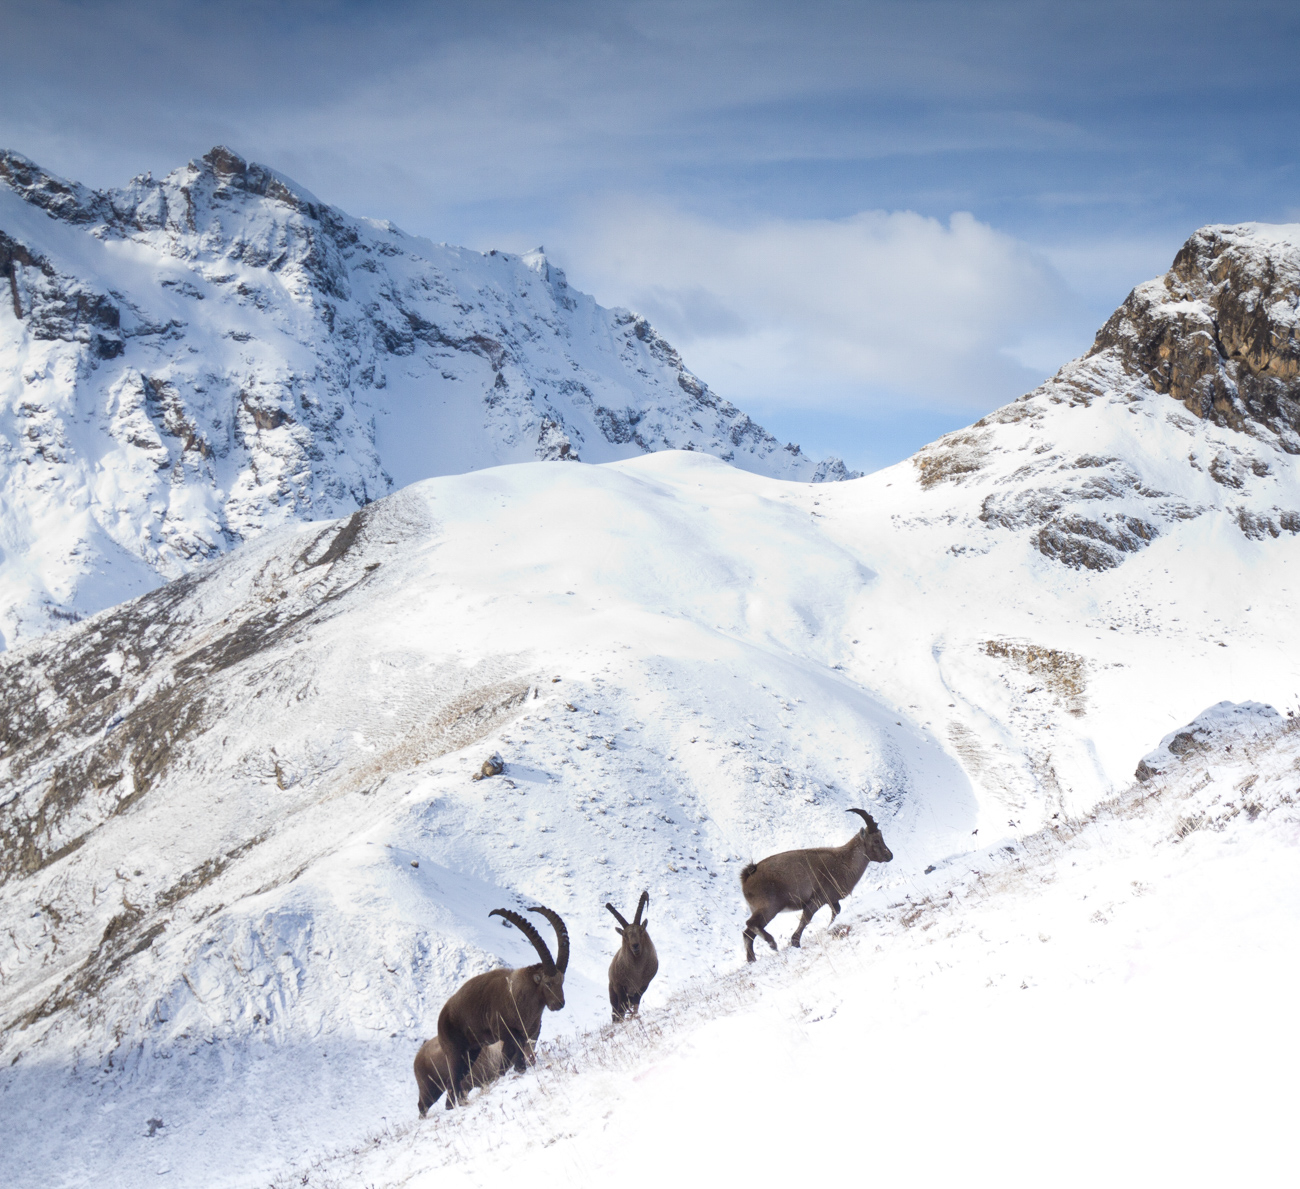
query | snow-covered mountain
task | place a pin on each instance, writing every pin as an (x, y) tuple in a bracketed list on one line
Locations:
[(1206, 362), (188, 362), (243, 853)]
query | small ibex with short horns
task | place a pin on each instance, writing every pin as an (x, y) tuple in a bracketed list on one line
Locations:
[(433, 1071), (635, 964), (502, 1005), (804, 880)]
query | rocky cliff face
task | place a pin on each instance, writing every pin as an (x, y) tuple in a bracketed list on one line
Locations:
[(185, 363), (1204, 361), (1218, 331)]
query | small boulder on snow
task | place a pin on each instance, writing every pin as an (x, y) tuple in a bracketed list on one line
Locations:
[(494, 765)]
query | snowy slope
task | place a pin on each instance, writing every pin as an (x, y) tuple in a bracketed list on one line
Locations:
[(214, 797), (186, 363), (1109, 1001)]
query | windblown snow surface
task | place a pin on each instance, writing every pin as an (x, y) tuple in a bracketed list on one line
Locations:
[(244, 862)]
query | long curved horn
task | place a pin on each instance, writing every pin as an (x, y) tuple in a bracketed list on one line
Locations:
[(526, 928), (618, 916), (866, 817), (561, 935), (640, 908)]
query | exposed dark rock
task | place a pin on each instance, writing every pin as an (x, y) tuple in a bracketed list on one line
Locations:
[(952, 457), (1083, 543), (1258, 525), (553, 444), (57, 307), (1219, 332), (494, 765)]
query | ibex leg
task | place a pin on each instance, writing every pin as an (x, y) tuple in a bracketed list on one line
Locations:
[(459, 1064), (430, 1092), (755, 925), (516, 1051), (804, 918), (835, 911)]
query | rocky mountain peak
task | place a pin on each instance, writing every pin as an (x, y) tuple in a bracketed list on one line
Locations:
[(1099, 463), (1218, 332), (231, 172), (258, 357), (59, 198)]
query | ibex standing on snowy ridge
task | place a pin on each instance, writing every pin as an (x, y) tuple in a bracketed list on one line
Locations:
[(502, 1005), (807, 879), (635, 964)]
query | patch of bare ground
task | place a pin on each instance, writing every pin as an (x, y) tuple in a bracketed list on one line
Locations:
[(1063, 673), (464, 721), (951, 458), (989, 768)]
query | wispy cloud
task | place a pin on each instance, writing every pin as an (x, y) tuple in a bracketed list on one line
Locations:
[(724, 166), (834, 313)]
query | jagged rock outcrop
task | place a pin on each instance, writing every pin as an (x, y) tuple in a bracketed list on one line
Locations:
[(1188, 403), (189, 361), (1218, 331)]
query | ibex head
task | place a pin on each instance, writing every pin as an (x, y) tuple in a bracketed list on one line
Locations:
[(872, 839), (634, 935), (550, 978)]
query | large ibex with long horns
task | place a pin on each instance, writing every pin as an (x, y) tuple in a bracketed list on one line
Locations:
[(635, 964), (804, 880), (502, 1005)]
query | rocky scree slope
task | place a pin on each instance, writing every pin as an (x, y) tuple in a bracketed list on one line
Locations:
[(185, 363)]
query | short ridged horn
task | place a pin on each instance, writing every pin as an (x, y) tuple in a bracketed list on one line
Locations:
[(527, 929), (618, 916), (866, 817), (561, 935), (640, 908)]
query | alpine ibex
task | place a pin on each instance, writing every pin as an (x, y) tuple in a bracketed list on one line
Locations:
[(807, 879), (635, 964), (502, 1005), (433, 1071)]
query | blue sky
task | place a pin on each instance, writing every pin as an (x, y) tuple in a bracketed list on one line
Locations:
[(864, 223)]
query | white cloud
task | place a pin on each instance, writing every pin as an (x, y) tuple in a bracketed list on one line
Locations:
[(838, 314)]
